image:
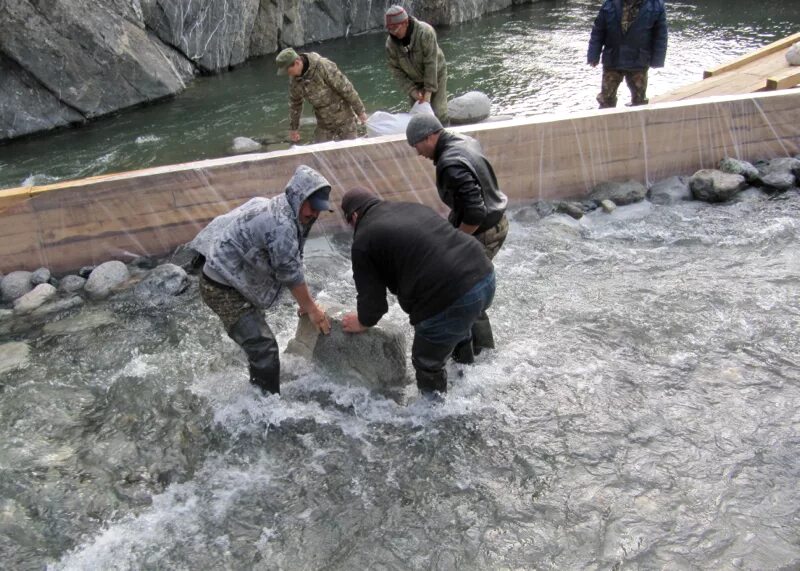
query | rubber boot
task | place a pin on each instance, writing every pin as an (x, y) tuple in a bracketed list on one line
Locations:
[(463, 353), (431, 381), (253, 334), (482, 337)]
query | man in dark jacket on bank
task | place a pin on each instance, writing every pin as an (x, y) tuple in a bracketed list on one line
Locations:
[(632, 36), (252, 255), (440, 277), (467, 184)]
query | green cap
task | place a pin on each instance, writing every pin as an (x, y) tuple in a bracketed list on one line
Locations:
[(286, 58)]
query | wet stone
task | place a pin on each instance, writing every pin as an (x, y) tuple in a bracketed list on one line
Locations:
[(71, 284), (40, 276), (621, 193), (374, 359), (15, 285), (14, 355), (711, 185), (35, 298), (670, 191), (105, 277), (744, 168)]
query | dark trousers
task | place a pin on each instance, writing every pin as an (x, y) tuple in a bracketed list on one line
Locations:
[(436, 337)]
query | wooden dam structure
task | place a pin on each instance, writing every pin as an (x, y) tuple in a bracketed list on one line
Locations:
[(149, 212)]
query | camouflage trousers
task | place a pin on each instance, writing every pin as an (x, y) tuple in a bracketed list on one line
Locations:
[(494, 237), (636, 79), (226, 302), (347, 130)]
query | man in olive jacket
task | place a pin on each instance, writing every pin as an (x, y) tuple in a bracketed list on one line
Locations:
[(632, 36), (416, 60), (334, 99)]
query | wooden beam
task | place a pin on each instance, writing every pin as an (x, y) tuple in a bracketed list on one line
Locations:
[(746, 59), (787, 78)]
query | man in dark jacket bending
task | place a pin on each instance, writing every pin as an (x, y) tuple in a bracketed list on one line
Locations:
[(467, 184), (632, 36), (440, 276)]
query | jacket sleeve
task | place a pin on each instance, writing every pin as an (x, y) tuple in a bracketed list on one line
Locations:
[(463, 186), (430, 59), (660, 31), (598, 38), (406, 85), (295, 105), (338, 81), (371, 299)]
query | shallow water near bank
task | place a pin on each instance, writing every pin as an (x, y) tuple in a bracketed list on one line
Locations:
[(641, 411), (530, 60)]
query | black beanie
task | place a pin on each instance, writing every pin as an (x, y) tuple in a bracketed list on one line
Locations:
[(356, 199)]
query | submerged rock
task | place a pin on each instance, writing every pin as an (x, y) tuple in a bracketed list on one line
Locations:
[(670, 191), (165, 281), (374, 359), (35, 298), (620, 193), (245, 145), (14, 355)]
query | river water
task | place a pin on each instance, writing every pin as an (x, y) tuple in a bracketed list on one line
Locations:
[(529, 60), (642, 410)]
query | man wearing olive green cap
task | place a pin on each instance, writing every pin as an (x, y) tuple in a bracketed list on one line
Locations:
[(335, 101), (416, 60)]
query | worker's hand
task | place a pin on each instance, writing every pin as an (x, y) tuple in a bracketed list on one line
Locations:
[(363, 118), (593, 63), (294, 136), (351, 324), (318, 319), (426, 97), (418, 94)]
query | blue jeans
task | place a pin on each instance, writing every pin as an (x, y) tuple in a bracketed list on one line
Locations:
[(436, 337)]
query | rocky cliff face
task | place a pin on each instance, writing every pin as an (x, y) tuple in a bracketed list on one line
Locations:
[(65, 61)]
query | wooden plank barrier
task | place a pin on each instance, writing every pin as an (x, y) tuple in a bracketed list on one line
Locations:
[(149, 212), (740, 62)]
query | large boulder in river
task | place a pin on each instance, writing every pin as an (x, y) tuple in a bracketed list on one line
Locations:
[(374, 359), (620, 193)]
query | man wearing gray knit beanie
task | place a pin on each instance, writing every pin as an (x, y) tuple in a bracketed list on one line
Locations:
[(416, 60), (466, 183)]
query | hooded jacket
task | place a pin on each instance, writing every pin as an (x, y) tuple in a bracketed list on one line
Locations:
[(644, 45), (259, 252), (421, 63), (327, 89)]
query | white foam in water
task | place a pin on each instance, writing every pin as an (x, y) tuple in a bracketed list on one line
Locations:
[(144, 139)]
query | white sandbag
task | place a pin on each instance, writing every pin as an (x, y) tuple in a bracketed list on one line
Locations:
[(471, 107), (793, 54), (383, 123)]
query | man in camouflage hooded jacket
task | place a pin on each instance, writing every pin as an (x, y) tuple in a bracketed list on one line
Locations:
[(252, 255), (334, 99)]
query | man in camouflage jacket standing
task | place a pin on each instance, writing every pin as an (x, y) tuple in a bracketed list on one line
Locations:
[(416, 60), (632, 36), (251, 256), (334, 99)]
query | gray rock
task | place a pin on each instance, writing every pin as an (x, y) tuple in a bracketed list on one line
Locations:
[(620, 193), (779, 181), (374, 359), (80, 322), (14, 355), (471, 107), (608, 206), (245, 145), (71, 283), (165, 281), (40, 276), (81, 59), (783, 165), (85, 271), (104, 278), (37, 297), (735, 166), (15, 285), (58, 307), (670, 191), (711, 185), (572, 209), (527, 214)]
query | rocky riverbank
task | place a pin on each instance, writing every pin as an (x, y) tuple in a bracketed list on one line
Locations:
[(75, 60)]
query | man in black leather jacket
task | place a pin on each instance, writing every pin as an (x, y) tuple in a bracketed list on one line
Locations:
[(467, 184)]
